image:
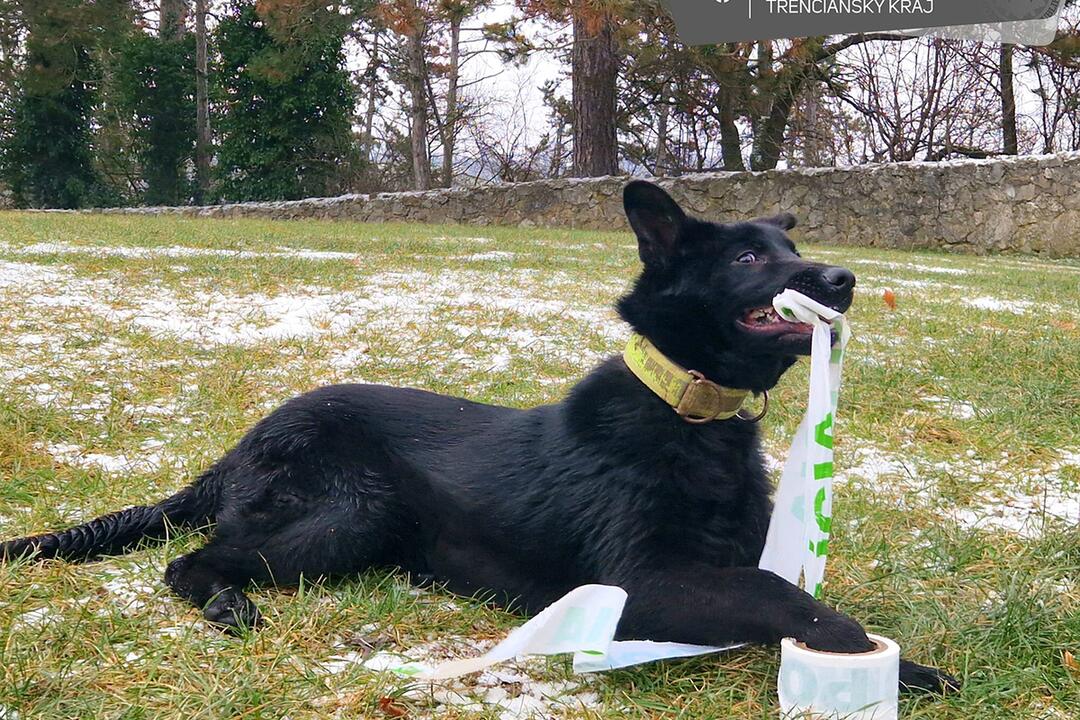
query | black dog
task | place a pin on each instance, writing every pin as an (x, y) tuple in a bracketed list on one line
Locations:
[(609, 486)]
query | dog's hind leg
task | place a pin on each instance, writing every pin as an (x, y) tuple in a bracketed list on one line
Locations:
[(320, 544), (214, 587)]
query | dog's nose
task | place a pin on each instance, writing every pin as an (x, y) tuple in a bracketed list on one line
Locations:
[(840, 278)]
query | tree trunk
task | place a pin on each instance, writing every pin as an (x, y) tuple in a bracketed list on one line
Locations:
[(1010, 141), (172, 14), (593, 73), (369, 113), (779, 89), (555, 169), (450, 121), (813, 147), (202, 107), (730, 139), (417, 87), (660, 168), (769, 142)]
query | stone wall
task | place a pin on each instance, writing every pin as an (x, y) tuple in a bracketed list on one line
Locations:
[(1022, 205)]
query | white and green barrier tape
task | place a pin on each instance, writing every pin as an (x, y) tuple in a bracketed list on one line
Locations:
[(583, 621), (798, 540)]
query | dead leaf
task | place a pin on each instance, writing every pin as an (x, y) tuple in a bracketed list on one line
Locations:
[(392, 708), (1062, 324), (1071, 663), (890, 298)]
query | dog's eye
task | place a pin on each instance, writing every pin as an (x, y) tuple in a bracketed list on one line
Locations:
[(746, 258)]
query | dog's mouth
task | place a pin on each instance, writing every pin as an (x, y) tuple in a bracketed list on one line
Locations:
[(766, 321)]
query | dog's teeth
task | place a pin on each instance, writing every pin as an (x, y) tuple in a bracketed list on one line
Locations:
[(762, 316)]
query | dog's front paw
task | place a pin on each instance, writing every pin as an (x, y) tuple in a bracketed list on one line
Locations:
[(232, 611), (916, 678), (836, 633)]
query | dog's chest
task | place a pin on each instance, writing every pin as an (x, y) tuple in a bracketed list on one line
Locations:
[(701, 503)]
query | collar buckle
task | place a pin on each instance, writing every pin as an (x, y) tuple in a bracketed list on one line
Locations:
[(690, 399)]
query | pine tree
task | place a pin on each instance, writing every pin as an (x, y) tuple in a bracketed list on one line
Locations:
[(47, 154), (156, 79), (285, 130)]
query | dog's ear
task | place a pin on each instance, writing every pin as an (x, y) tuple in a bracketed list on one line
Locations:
[(784, 221), (655, 218)]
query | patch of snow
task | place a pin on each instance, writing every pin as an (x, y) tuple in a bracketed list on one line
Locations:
[(1050, 501), (397, 301), (35, 618), (872, 464), (340, 663), (916, 284), (772, 463), (1024, 514), (1045, 710), (986, 302), (221, 318), (31, 339), (491, 255), (150, 459), (959, 409), (1068, 458), (512, 689), (941, 269), (476, 239), (938, 269), (319, 255), (159, 408), (187, 629), (174, 251), (129, 591), (499, 361), (43, 393), (348, 359), (1002, 262), (16, 274)]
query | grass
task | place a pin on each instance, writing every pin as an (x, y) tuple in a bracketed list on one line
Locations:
[(133, 351)]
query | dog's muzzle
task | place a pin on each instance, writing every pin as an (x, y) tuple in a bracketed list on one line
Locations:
[(828, 284)]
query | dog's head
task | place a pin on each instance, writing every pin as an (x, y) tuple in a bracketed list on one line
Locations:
[(705, 295)]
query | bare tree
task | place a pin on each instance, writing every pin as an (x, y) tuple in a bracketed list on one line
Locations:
[(410, 21), (1009, 140), (925, 99), (449, 17), (455, 12), (664, 110), (502, 148), (1054, 79), (372, 87), (202, 106)]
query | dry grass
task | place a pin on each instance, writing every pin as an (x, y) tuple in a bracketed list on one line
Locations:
[(135, 350)]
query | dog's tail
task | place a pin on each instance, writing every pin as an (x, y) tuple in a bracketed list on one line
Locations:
[(118, 532)]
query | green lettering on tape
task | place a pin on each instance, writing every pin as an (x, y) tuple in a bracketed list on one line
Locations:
[(823, 432)]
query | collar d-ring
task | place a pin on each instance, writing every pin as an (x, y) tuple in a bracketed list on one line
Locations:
[(764, 410)]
